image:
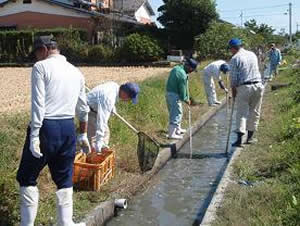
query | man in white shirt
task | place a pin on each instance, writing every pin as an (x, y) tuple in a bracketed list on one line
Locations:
[(102, 100), (247, 90), (211, 71), (57, 93)]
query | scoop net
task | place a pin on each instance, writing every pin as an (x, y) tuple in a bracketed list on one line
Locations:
[(147, 151)]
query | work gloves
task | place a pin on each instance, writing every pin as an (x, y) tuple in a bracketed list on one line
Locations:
[(35, 147), (83, 142)]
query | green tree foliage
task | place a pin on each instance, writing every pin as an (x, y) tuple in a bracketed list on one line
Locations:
[(140, 48), (184, 19), (260, 29), (213, 43)]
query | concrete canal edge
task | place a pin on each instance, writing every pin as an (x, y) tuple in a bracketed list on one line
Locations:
[(106, 210), (218, 196)]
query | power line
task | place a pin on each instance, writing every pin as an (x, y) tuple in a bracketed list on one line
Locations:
[(257, 8), (260, 15)]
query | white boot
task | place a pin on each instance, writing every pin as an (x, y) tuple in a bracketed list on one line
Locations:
[(64, 207), (217, 102), (29, 204), (173, 134), (180, 131)]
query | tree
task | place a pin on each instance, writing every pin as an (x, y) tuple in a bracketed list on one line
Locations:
[(263, 29), (184, 19)]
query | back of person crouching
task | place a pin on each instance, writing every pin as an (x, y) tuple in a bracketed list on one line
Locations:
[(211, 72), (177, 92), (247, 90)]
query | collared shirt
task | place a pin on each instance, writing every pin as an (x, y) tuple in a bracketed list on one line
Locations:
[(178, 82), (275, 56), (213, 69), (103, 99), (57, 92), (244, 68)]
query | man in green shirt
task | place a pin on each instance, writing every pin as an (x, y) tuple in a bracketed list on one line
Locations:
[(177, 92)]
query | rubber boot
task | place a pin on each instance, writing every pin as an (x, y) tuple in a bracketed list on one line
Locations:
[(238, 142), (250, 139), (29, 205), (180, 131), (64, 207), (173, 134)]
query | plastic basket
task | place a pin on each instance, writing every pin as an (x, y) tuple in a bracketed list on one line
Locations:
[(92, 171)]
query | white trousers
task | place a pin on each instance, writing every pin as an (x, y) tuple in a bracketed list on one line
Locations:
[(92, 127), (210, 88), (248, 103)]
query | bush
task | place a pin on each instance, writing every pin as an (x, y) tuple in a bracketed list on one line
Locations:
[(72, 47), (100, 54), (140, 48), (15, 46)]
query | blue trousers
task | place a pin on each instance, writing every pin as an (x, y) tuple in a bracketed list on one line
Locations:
[(175, 108), (58, 146)]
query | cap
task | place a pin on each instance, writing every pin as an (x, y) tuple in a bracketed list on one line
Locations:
[(41, 41), (224, 68), (234, 43), (132, 89), (192, 63)]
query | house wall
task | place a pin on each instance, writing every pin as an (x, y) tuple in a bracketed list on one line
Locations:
[(39, 7), (142, 15), (26, 20), (40, 14)]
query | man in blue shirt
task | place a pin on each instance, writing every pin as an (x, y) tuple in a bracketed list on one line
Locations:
[(247, 89), (275, 59)]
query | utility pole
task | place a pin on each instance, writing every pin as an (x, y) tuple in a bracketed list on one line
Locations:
[(298, 25), (290, 13), (242, 22)]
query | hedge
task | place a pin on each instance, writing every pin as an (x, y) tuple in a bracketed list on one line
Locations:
[(15, 46)]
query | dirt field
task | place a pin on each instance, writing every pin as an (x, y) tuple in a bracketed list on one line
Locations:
[(15, 82)]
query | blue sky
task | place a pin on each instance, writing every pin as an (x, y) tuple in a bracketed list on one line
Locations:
[(271, 12)]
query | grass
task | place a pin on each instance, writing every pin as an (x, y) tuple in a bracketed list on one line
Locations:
[(149, 115), (273, 165)]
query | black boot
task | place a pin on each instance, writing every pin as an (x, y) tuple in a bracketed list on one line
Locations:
[(250, 139), (238, 142)]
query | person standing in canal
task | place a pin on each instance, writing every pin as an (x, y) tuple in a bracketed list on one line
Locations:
[(247, 90), (177, 92)]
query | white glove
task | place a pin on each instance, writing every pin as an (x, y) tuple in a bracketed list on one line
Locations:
[(83, 142), (99, 145), (226, 90), (35, 147)]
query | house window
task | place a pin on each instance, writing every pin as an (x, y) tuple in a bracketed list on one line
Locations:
[(26, 1)]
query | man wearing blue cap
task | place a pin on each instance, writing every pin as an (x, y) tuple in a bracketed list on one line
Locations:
[(247, 90), (177, 92), (212, 71), (102, 100)]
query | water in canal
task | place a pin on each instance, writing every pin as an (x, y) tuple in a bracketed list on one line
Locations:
[(185, 185)]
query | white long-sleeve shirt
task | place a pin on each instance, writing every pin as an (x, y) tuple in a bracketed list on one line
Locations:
[(57, 92), (103, 99), (213, 69)]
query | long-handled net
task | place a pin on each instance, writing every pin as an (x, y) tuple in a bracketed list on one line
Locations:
[(147, 151)]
